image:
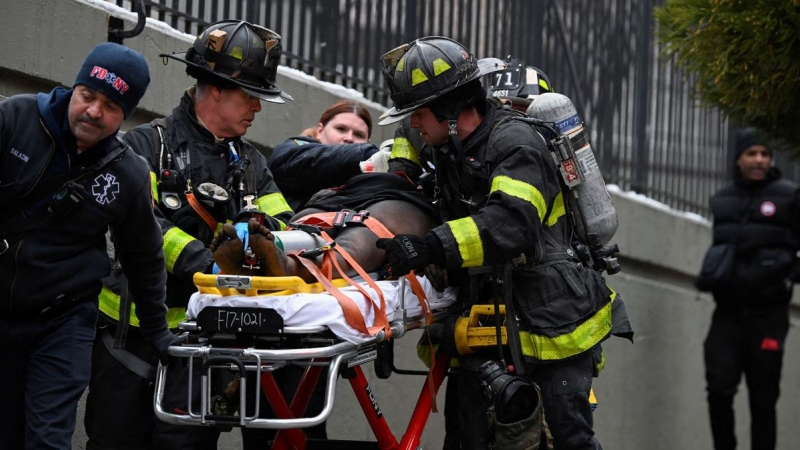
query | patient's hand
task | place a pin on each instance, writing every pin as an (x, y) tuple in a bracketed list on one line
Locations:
[(228, 252)]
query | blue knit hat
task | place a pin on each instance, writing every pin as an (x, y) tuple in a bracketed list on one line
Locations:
[(118, 72)]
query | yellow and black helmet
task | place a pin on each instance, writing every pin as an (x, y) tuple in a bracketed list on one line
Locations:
[(519, 83), (238, 53), (421, 71)]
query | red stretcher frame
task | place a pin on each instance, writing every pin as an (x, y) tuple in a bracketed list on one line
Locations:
[(295, 439)]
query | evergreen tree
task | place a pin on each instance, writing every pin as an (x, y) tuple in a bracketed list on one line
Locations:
[(744, 56)]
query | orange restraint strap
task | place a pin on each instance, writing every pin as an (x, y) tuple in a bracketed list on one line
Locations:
[(201, 211), (352, 313)]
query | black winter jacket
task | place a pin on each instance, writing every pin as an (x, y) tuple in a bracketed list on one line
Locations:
[(191, 154), (303, 166), (766, 243), (66, 253)]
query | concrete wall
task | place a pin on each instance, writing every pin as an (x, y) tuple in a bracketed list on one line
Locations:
[(45, 42), (651, 394)]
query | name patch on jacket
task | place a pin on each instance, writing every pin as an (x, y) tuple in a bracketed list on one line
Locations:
[(19, 154), (105, 188)]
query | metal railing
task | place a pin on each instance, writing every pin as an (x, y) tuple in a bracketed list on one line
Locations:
[(647, 131)]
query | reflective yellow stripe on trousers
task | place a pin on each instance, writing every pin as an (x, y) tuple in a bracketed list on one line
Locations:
[(109, 305), (585, 336)]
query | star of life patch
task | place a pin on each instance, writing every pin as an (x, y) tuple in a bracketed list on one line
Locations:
[(105, 188)]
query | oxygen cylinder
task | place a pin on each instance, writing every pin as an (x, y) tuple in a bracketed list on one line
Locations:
[(589, 200), (294, 240)]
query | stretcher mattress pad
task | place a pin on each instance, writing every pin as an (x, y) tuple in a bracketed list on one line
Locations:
[(322, 309)]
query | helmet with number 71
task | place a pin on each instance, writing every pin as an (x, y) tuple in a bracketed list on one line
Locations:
[(518, 83), (421, 71)]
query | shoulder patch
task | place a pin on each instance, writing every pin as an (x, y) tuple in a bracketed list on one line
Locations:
[(299, 142)]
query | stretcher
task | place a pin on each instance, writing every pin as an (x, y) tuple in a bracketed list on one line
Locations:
[(256, 325)]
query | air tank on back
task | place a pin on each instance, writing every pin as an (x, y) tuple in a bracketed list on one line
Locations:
[(589, 199)]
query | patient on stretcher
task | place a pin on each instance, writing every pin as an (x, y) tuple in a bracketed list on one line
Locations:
[(390, 199)]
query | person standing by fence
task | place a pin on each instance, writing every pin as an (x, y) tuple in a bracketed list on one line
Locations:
[(758, 215)]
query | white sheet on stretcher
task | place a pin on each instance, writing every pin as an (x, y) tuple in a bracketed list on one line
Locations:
[(304, 310)]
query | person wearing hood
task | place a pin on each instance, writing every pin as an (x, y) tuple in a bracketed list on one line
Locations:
[(759, 215), (65, 180)]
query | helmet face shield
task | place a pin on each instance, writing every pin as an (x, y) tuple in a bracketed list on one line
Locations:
[(237, 52)]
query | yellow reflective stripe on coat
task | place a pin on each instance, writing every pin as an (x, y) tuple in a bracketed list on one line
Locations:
[(585, 336), (522, 190), (558, 210), (154, 185), (109, 305), (427, 353), (602, 363), (402, 148), (175, 240), (470, 246), (273, 205)]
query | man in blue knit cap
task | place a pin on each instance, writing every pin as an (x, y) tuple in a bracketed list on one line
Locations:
[(65, 179)]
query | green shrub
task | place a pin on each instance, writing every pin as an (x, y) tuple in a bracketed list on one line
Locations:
[(744, 56)]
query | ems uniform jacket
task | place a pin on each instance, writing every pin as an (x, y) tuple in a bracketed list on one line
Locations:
[(506, 191), (64, 252), (302, 166), (192, 155), (766, 241)]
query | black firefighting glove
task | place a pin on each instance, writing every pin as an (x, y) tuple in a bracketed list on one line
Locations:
[(407, 252), (162, 343)]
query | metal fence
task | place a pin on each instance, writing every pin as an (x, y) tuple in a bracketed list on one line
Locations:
[(647, 131)]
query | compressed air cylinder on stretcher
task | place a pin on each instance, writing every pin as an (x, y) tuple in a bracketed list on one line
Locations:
[(295, 240), (287, 241)]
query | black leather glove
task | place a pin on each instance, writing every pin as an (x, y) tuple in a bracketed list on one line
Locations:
[(407, 252), (162, 343)]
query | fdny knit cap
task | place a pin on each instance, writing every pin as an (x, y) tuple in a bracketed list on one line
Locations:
[(118, 72), (746, 138)]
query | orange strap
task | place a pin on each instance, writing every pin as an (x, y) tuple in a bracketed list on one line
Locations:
[(326, 219), (347, 304), (198, 208), (352, 313)]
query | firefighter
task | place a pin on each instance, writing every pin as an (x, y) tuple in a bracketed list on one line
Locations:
[(502, 202), (202, 170), (519, 94)]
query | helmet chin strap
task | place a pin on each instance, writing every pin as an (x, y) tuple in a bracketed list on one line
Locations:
[(452, 125)]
